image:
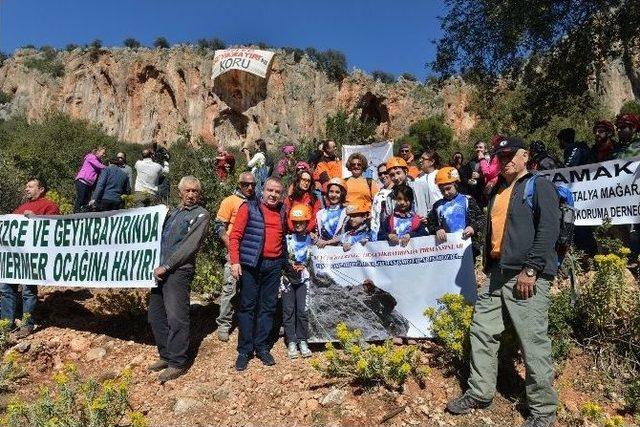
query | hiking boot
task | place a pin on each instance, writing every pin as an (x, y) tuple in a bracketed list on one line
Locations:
[(171, 373), (304, 349), (223, 335), (465, 403), (539, 421), (23, 332), (242, 361), (292, 350), (158, 366), (266, 358)]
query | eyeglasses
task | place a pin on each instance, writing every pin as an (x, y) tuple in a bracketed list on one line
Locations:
[(305, 180), (247, 184)]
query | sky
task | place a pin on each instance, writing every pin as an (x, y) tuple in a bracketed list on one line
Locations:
[(390, 35)]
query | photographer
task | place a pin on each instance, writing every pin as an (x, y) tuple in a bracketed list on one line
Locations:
[(148, 176)]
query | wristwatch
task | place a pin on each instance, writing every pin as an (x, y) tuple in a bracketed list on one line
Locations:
[(530, 272)]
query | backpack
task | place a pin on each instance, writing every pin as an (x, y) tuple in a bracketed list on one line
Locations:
[(567, 212)]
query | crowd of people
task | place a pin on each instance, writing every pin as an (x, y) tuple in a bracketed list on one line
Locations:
[(268, 229)]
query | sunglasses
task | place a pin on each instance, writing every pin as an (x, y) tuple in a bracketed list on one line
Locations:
[(247, 184), (356, 165)]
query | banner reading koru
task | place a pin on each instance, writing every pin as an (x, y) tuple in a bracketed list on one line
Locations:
[(108, 250), (383, 290), (250, 60)]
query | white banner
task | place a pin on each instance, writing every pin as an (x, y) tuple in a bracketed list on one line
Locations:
[(402, 283), (116, 249), (375, 153), (602, 190), (250, 60)]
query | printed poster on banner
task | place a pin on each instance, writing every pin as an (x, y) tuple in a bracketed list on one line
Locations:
[(383, 290), (602, 190), (116, 249), (252, 61), (375, 153)]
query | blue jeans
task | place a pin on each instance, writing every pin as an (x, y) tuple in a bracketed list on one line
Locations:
[(258, 299), (9, 302)]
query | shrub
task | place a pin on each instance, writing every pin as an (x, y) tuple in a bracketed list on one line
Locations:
[(409, 77), (46, 62), (345, 129), (64, 204), (369, 365), (383, 77), (208, 277), (12, 181), (632, 396), (630, 107), (211, 44), (131, 43), (5, 97), (450, 323), (591, 411), (70, 47), (431, 133), (76, 401), (562, 317), (161, 43), (607, 303), (332, 62)]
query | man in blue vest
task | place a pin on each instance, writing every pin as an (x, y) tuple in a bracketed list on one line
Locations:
[(257, 252)]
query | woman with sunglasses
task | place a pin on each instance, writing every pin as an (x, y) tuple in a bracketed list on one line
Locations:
[(301, 192), (360, 190), (379, 200)]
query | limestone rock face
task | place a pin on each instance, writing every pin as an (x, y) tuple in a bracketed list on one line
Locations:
[(146, 95)]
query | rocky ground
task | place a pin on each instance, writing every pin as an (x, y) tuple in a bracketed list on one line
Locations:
[(103, 333)]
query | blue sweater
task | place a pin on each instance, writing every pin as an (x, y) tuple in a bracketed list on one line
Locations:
[(112, 183)]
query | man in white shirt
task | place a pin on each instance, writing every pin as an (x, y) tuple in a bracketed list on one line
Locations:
[(148, 175), (429, 162)]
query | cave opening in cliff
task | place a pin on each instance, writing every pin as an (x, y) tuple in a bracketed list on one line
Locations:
[(238, 121), (373, 109)]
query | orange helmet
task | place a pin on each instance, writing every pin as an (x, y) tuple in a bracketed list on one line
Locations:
[(358, 208), (337, 181), (447, 175), (396, 162), (300, 213)]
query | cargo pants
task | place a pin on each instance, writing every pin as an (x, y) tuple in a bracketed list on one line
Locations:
[(229, 290), (497, 305)]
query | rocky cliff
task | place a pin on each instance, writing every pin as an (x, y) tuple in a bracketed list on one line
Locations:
[(148, 95)]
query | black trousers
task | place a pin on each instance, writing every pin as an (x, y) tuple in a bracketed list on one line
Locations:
[(294, 312), (169, 316), (109, 205), (83, 195)]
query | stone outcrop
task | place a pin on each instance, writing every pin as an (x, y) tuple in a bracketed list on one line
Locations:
[(146, 95)]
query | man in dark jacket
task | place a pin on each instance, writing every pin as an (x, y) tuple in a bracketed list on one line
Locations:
[(113, 183), (576, 153), (257, 252), (519, 260), (184, 230), (540, 159)]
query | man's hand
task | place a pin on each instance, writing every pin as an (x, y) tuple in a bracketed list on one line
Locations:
[(346, 246), (441, 235), (298, 267), (236, 271), (393, 239), (423, 219), (404, 240), (525, 286), (91, 202), (159, 272), (467, 232), (27, 213), (321, 243)]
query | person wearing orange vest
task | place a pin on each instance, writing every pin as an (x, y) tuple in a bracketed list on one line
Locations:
[(329, 166), (407, 155)]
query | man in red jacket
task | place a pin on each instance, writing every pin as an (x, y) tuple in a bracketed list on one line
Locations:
[(36, 204), (257, 253)]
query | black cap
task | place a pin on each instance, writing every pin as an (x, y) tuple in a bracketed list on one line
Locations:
[(510, 145)]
